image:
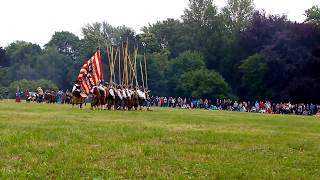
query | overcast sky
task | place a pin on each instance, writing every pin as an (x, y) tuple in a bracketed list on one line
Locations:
[(36, 20)]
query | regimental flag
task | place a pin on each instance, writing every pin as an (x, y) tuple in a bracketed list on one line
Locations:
[(91, 73)]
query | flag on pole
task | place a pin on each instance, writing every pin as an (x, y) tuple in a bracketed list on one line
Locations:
[(91, 73)]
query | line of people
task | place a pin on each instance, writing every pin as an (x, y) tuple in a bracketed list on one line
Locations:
[(244, 106), (47, 96)]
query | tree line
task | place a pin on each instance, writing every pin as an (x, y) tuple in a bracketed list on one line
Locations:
[(233, 52)]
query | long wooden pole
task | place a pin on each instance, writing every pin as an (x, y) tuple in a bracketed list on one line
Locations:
[(119, 63), (127, 53), (142, 78), (114, 63), (145, 68), (133, 73), (135, 65), (109, 58), (124, 59)]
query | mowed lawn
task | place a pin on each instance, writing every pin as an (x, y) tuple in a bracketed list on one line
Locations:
[(40, 141)]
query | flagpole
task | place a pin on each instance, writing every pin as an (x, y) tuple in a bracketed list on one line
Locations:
[(136, 69), (142, 76), (119, 63), (114, 63), (123, 56), (145, 63)]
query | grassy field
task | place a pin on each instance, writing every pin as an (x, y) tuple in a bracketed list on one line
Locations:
[(58, 142)]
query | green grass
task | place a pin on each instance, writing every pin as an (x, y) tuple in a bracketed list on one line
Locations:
[(58, 142)]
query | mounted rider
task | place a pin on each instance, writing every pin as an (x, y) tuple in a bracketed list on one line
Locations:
[(40, 95), (76, 90)]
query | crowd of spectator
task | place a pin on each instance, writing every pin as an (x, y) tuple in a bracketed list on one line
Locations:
[(241, 106)]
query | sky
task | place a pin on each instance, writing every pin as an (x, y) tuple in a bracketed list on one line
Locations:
[(36, 20)]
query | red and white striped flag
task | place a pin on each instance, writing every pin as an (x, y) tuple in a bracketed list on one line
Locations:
[(91, 73)]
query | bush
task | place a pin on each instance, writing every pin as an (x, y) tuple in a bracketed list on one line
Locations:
[(203, 83)]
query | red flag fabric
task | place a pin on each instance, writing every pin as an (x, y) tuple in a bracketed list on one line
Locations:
[(91, 73)]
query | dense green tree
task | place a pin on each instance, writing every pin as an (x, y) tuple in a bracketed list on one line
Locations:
[(67, 43), (313, 15), (23, 57), (187, 61), (238, 14), (4, 59), (254, 70), (157, 65), (4, 66), (3, 76), (63, 70), (199, 12), (200, 25), (163, 35), (104, 34), (203, 83)]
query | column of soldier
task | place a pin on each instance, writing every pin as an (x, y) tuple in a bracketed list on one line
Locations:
[(127, 94), (119, 97)]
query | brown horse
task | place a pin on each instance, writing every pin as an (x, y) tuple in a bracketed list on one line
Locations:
[(96, 98), (135, 100), (78, 100)]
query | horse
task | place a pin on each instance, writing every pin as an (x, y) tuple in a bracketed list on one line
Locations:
[(96, 98), (78, 99), (50, 96)]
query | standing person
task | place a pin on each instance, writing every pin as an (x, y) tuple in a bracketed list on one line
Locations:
[(60, 95), (206, 104), (18, 95), (111, 97), (148, 100), (262, 107), (170, 102), (28, 95), (165, 100), (257, 106), (77, 99), (67, 97), (161, 101), (313, 109), (40, 95), (103, 93)]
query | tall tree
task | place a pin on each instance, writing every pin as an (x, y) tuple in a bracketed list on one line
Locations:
[(313, 15), (187, 61), (4, 59), (163, 34), (67, 44), (254, 70), (291, 52), (204, 31), (238, 14), (23, 56)]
